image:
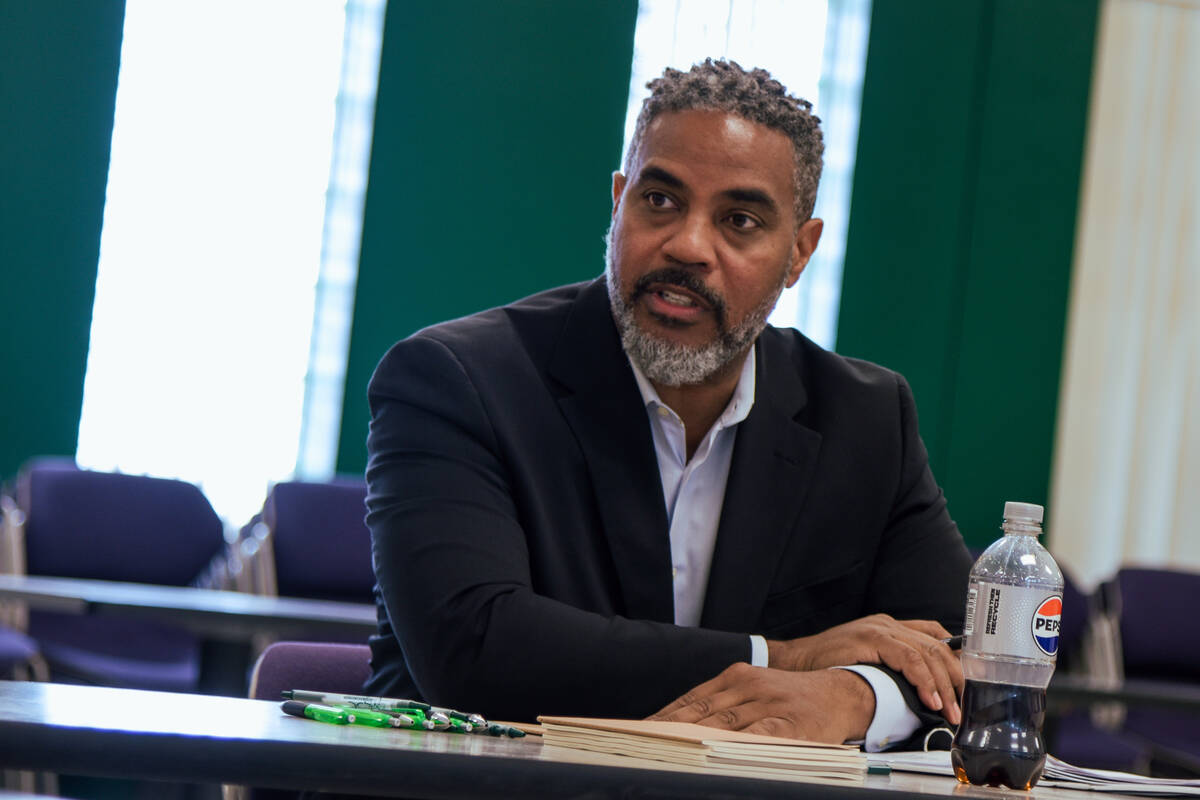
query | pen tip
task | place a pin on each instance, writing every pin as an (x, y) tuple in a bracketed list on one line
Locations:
[(293, 707)]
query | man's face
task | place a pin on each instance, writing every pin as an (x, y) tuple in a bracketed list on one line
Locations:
[(703, 241)]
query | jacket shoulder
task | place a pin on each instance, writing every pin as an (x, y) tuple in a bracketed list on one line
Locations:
[(529, 325), (822, 371)]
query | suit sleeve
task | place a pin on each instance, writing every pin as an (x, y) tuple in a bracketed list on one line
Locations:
[(453, 568), (923, 564)]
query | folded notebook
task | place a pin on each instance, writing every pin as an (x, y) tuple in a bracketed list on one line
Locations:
[(706, 749)]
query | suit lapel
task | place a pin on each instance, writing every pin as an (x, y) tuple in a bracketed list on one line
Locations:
[(609, 421), (773, 460)]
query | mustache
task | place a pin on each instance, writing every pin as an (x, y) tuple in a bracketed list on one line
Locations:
[(684, 279)]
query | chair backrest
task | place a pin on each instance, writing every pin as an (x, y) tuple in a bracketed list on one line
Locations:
[(322, 548), (1078, 608), (110, 526), (315, 666), (1160, 629)]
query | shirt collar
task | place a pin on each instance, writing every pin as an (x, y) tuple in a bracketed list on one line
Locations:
[(739, 404)]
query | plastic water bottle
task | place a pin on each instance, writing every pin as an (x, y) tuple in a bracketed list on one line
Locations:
[(1010, 643)]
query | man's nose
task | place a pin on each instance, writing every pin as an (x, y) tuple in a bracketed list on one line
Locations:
[(692, 242)]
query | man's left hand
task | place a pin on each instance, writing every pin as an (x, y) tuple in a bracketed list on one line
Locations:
[(829, 705)]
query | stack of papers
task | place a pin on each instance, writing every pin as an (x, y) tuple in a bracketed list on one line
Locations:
[(1057, 773), (1060, 773), (704, 749)]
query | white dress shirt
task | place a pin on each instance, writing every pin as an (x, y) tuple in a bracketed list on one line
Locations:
[(694, 492)]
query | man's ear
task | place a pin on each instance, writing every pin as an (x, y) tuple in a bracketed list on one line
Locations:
[(803, 247), (618, 188)]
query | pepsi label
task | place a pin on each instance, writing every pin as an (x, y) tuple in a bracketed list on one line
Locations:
[(1017, 621), (1045, 625)]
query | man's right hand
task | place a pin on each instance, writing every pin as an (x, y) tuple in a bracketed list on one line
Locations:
[(911, 647), (830, 705)]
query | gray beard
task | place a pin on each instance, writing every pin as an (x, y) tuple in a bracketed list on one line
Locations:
[(673, 364)]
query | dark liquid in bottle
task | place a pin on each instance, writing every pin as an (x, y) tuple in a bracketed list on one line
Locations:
[(1000, 739)]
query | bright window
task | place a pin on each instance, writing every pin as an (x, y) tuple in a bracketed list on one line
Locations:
[(212, 243)]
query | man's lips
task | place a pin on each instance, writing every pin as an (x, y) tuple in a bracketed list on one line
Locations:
[(674, 308), (675, 296), (678, 296)]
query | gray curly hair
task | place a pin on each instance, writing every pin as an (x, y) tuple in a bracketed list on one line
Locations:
[(753, 95)]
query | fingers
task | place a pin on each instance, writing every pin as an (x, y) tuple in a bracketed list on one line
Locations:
[(826, 705), (953, 664), (724, 691), (738, 716), (947, 675), (790, 728), (913, 647), (932, 669), (928, 627)]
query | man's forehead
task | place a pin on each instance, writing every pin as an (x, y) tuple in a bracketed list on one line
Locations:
[(730, 123), (714, 135), (725, 147)]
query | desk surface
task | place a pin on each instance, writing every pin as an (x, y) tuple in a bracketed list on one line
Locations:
[(158, 735), (228, 616)]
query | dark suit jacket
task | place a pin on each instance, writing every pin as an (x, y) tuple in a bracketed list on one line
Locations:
[(520, 535)]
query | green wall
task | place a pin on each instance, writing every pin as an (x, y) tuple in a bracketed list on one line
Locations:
[(497, 126), (58, 81), (962, 227), (493, 116)]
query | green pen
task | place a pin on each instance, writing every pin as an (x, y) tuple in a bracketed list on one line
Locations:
[(320, 713), (417, 714), (409, 718), (459, 726), (496, 729), (423, 721), (374, 719), (356, 700), (383, 704)]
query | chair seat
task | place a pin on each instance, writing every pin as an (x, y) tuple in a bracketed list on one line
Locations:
[(117, 652)]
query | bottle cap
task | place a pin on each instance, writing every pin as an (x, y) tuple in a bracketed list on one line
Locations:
[(1028, 511)]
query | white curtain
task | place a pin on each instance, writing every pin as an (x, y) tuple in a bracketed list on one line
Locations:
[(211, 243), (1126, 480)]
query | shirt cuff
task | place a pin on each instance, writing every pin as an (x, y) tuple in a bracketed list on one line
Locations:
[(758, 651), (894, 721)]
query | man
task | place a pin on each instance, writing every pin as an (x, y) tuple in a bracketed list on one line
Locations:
[(602, 496)]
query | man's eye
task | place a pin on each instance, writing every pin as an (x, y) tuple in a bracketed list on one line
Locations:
[(743, 222), (659, 200)]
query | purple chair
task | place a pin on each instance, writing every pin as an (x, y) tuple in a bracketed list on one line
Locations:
[(321, 545), (108, 526), (1072, 735), (1160, 641), (18, 653), (1160, 630), (1078, 608), (316, 666)]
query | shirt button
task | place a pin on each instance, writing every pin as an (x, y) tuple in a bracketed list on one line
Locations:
[(674, 572), (663, 412)]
